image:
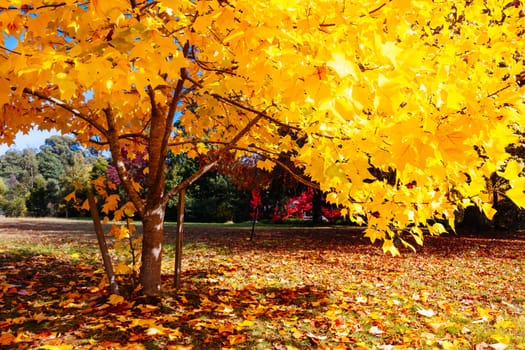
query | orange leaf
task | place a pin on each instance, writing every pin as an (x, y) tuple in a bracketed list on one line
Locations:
[(235, 339)]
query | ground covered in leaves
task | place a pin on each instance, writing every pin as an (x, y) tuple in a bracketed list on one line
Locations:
[(288, 289)]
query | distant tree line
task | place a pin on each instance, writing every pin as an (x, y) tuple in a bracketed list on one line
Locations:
[(37, 182)]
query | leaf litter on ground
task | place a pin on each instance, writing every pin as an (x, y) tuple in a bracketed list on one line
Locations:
[(287, 289)]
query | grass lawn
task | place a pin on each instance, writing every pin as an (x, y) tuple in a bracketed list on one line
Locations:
[(291, 288)]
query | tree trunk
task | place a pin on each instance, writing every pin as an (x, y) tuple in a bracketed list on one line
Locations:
[(108, 265), (153, 235), (317, 213), (180, 233)]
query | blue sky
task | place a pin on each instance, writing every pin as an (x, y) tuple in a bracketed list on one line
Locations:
[(34, 139)]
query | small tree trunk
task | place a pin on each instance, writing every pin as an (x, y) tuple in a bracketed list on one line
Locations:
[(179, 237), (317, 214), (113, 286), (153, 235), (255, 217)]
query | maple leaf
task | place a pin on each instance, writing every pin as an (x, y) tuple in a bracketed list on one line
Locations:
[(111, 203)]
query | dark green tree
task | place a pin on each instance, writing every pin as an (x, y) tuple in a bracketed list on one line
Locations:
[(50, 165), (65, 147), (37, 203)]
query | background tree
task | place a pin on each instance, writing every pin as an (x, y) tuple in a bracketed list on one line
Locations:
[(37, 203), (3, 199), (20, 164), (50, 165), (428, 89)]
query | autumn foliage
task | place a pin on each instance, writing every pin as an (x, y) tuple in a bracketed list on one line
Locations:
[(430, 92)]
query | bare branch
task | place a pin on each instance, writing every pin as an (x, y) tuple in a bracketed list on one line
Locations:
[(296, 176)]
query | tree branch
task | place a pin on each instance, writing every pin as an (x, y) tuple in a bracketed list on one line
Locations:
[(188, 181), (272, 119), (261, 152), (15, 52), (296, 176), (118, 162), (68, 108), (229, 146)]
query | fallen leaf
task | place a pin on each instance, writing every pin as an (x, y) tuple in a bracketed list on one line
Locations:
[(374, 330), (115, 299), (6, 338), (426, 312)]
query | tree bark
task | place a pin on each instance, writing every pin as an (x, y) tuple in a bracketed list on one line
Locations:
[(113, 286), (317, 214), (153, 235), (178, 240)]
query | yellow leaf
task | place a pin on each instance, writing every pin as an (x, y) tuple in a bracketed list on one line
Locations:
[(266, 164), (512, 170), (85, 205), (437, 229), (374, 234), (502, 338), (455, 98), (233, 36), (517, 195), (121, 233), (488, 210), (115, 299), (245, 323), (484, 313), (342, 66), (122, 269), (129, 209), (388, 246), (56, 347)]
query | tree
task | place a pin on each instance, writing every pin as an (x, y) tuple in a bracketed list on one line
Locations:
[(214, 198), (37, 201), (3, 191), (22, 165), (65, 147), (426, 89), (50, 165), (18, 169), (14, 203)]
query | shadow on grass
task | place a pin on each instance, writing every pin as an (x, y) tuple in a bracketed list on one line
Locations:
[(54, 300), (351, 239), (47, 300)]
